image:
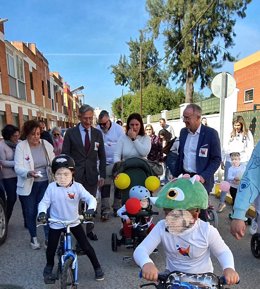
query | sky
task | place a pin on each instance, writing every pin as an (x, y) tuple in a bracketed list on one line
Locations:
[(81, 39)]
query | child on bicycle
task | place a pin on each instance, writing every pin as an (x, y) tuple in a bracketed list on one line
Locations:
[(142, 194), (187, 240), (63, 197)]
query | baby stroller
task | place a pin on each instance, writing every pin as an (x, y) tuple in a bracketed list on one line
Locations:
[(141, 224), (137, 169), (137, 219)]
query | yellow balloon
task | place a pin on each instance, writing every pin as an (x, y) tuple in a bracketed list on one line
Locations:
[(122, 181), (152, 183)]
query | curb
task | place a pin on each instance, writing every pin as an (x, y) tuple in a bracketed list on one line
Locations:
[(216, 192)]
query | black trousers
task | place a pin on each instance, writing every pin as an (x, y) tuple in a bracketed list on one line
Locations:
[(233, 193), (79, 234)]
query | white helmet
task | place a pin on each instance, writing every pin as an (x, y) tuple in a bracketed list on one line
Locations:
[(139, 192)]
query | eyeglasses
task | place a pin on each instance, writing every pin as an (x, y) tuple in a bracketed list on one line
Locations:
[(56, 134), (103, 124)]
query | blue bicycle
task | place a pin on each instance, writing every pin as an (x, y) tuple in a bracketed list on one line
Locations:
[(67, 270)]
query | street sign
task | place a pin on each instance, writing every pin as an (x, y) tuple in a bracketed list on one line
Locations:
[(223, 79)]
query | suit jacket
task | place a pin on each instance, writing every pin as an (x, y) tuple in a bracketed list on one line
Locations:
[(86, 163), (208, 162), (24, 163)]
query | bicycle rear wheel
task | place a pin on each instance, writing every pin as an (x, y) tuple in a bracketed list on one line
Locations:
[(67, 275)]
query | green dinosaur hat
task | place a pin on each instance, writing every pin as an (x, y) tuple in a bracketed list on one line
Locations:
[(182, 194)]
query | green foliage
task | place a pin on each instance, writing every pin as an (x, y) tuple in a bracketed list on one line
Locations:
[(195, 32), (143, 59), (154, 99)]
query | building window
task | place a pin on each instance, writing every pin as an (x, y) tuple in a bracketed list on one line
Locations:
[(15, 117), (2, 120), (249, 95), (43, 92), (31, 80), (15, 66), (49, 89)]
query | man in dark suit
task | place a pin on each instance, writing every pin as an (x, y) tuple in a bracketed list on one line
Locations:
[(199, 149), (85, 145)]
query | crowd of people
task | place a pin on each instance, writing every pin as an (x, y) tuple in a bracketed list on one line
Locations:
[(39, 166)]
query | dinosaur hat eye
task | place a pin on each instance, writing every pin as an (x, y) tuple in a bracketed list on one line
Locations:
[(175, 194)]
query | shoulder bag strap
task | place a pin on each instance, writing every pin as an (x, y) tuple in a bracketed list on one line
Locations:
[(46, 153)]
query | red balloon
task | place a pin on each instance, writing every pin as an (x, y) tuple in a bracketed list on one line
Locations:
[(133, 206)]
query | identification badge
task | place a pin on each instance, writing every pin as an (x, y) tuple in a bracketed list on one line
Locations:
[(96, 146), (203, 152)]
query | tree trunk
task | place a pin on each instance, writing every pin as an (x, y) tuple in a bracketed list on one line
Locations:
[(189, 86)]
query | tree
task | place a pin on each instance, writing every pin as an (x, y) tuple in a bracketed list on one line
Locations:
[(155, 99), (193, 33), (143, 59)]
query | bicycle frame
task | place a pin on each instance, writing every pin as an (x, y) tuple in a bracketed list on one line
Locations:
[(65, 250)]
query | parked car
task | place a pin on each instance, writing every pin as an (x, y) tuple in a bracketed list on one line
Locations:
[(3, 217)]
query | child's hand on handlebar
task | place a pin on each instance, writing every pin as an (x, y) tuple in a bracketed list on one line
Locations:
[(150, 272), (89, 214), (231, 276), (42, 218)]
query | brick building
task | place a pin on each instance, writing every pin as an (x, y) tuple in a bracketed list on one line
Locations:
[(28, 90), (247, 75)]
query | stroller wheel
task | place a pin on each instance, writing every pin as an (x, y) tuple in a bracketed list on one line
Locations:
[(114, 242), (255, 245), (212, 217)]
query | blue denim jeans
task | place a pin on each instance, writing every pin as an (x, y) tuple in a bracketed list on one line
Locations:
[(30, 205), (10, 188)]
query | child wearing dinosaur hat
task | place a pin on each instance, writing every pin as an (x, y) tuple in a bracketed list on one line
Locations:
[(187, 240)]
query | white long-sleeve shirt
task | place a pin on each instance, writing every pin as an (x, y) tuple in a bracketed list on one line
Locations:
[(235, 172), (241, 144), (64, 202), (126, 148), (189, 251)]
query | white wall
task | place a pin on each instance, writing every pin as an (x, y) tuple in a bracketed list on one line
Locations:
[(213, 119)]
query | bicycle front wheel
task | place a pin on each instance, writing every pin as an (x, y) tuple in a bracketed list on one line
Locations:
[(67, 275)]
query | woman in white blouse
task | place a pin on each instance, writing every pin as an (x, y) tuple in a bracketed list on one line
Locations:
[(135, 143)]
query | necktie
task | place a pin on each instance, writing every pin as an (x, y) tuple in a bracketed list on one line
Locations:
[(87, 141)]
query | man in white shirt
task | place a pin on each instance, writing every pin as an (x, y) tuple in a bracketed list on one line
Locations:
[(166, 126), (111, 132)]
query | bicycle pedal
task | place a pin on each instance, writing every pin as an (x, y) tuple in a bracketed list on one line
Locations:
[(127, 258)]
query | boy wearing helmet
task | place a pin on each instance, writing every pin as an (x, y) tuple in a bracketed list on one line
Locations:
[(187, 240), (142, 194), (63, 197)]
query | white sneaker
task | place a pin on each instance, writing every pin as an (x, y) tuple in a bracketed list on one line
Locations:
[(35, 244), (253, 227), (221, 207)]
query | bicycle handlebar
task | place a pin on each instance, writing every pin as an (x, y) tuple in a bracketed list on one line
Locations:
[(189, 278), (66, 223), (142, 213)]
